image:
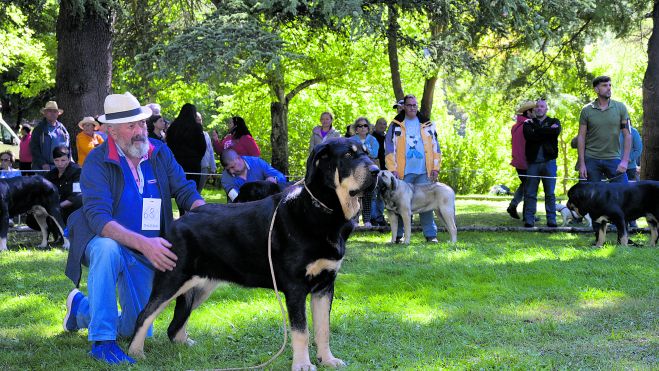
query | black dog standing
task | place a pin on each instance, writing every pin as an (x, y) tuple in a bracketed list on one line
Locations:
[(230, 243), (30, 194), (616, 203)]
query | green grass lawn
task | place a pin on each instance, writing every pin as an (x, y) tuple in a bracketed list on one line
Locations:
[(493, 300)]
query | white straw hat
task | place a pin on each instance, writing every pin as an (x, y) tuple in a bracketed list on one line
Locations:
[(123, 108)]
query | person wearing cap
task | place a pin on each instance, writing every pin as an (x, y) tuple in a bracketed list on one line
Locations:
[(127, 185), (399, 106), (601, 123), (412, 154), (522, 113), (324, 131), (541, 135), (47, 135), (87, 139)]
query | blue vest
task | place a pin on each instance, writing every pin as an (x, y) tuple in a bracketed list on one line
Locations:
[(129, 212)]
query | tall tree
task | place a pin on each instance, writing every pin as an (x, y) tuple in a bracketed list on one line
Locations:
[(650, 157), (84, 58)]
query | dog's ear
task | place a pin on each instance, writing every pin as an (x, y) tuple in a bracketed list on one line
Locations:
[(392, 181), (319, 151)]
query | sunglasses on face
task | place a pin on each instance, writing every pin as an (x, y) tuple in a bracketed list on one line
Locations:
[(362, 126)]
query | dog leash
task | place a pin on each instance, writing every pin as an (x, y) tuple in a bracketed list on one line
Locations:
[(281, 304)]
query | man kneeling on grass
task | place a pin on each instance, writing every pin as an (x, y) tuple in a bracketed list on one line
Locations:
[(127, 184)]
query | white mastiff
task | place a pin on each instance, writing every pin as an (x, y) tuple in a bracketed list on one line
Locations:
[(406, 199)]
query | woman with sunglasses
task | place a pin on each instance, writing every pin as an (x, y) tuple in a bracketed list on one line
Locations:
[(363, 130), (6, 165)]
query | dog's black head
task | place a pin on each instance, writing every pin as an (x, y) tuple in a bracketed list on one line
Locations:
[(578, 197), (342, 165), (252, 191)]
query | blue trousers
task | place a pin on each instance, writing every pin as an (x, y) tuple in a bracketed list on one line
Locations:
[(427, 220), (377, 209), (535, 170), (599, 170), (113, 269)]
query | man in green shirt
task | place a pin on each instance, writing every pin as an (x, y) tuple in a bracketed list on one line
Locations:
[(598, 141)]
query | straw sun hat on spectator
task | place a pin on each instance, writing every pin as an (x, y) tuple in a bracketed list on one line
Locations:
[(123, 108), (52, 105), (88, 120)]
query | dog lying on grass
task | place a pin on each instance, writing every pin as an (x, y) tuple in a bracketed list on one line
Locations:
[(217, 243), (34, 195), (616, 203), (406, 199)]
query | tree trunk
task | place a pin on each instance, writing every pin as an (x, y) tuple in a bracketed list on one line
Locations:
[(392, 49), (279, 134), (84, 63), (428, 94), (650, 156)]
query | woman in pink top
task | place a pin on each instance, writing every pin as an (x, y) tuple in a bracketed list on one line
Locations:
[(239, 139), (24, 153)]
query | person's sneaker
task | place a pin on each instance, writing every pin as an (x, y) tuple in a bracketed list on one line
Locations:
[(552, 224), (432, 239), (72, 304), (528, 225), (513, 212), (110, 353)]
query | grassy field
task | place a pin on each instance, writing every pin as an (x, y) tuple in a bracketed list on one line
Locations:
[(493, 300)]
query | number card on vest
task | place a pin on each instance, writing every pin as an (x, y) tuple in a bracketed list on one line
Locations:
[(151, 214), (76, 188)]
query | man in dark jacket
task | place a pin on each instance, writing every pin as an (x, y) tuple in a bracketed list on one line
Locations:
[(541, 134), (47, 135)]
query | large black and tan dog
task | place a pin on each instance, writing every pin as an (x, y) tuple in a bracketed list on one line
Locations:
[(404, 199), (217, 243), (34, 195), (616, 203)]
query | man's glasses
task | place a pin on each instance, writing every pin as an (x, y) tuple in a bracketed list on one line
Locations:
[(362, 126), (5, 159), (411, 105)]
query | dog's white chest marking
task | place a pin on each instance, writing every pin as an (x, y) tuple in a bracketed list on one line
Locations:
[(601, 219), (320, 265)]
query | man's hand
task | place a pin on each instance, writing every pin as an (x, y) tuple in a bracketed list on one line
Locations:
[(583, 173), (622, 167), (156, 249), (433, 175), (271, 179)]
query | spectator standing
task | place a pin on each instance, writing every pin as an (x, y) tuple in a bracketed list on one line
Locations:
[(87, 139), (156, 126), (102, 129), (363, 129), (24, 153), (324, 131), (412, 154), (186, 139), (238, 138), (541, 134), (601, 123), (127, 186), (6, 165), (633, 168), (523, 113), (47, 135), (377, 208), (208, 165), (239, 170)]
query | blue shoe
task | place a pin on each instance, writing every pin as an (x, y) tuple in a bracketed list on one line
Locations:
[(72, 304), (110, 353)]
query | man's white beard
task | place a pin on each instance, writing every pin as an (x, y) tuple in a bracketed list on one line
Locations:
[(136, 149)]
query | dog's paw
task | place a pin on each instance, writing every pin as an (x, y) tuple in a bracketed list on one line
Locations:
[(332, 362), (303, 366), (66, 245)]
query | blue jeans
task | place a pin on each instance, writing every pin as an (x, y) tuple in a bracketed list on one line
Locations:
[(377, 208), (113, 266), (544, 169), (427, 221), (599, 170)]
